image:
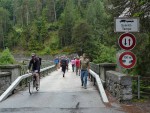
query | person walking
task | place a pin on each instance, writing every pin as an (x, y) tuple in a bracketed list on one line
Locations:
[(84, 70), (73, 64), (64, 65), (67, 63), (77, 63), (56, 61)]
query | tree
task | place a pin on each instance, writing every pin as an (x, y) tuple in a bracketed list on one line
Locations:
[(4, 26), (51, 10), (97, 17), (82, 39), (68, 20), (6, 57)]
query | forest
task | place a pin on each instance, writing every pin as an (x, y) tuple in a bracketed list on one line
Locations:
[(51, 27)]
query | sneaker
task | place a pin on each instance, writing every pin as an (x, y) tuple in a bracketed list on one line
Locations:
[(63, 75), (37, 88), (36, 85), (82, 84), (85, 87)]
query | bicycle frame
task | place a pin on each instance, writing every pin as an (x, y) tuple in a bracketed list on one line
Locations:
[(32, 84)]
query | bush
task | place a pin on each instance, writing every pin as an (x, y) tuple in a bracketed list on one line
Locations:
[(6, 57), (106, 54), (47, 50)]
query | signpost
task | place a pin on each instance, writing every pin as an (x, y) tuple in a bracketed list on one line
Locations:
[(127, 41), (127, 60), (126, 25)]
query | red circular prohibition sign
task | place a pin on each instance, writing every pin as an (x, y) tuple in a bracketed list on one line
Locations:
[(125, 35), (132, 61)]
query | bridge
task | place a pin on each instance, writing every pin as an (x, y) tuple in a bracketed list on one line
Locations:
[(59, 94)]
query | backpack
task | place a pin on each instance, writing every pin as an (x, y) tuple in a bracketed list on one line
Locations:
[(40, 59), (63, 62)]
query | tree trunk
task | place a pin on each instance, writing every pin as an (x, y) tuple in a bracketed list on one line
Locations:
[(55, 16)]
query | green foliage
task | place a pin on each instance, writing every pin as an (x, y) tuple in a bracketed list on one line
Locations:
[(47, 50), (68, 20), (106, 54), (138, 14), (98, 19), (83, 41), (53, 26), (4, 25), (34, 45), (142, 52), (6, 4), (45, 26), (6, 57)]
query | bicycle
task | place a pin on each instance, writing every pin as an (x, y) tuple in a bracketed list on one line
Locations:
[(32, 84)]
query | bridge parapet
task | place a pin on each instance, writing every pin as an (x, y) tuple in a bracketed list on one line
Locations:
[(106, 67), (5, 81), (119, 85), (101, 69), (15, 83), (15, 70)]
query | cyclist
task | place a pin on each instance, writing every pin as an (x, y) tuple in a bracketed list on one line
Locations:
[(35, 63)]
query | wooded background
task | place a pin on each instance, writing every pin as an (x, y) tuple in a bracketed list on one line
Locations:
[(73, 26)]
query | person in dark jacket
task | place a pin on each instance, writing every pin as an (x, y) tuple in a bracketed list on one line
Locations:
[(64, 65), (35, 64)]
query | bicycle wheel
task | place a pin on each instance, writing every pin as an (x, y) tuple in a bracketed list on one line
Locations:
[(37, 86), (31, 85)]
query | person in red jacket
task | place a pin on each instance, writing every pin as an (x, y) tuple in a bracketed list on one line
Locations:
[(77, 64)]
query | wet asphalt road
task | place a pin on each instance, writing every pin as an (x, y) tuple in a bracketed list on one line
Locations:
[(58, 95)]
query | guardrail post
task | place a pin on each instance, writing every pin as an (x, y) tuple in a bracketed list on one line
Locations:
[(26, 82), (99, 85), (106, 67), (90, 77), (99, 70), (94, 81)]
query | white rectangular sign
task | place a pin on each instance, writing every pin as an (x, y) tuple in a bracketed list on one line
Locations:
[(126, 25)]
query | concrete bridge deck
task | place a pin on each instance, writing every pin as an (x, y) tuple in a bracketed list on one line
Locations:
[(58, 95)]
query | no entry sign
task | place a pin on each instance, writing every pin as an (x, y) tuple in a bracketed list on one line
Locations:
[(127, 60), (127, 41)]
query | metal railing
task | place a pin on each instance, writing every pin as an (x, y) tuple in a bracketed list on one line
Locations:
[(44, 64), (95, 68), (141, 86), (24, 68), (99, 85)]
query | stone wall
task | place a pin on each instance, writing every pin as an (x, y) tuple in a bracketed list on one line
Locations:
[(101, 69), (95, 68), (106, 67), (15, 71), (119, 85), (5, 81)]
